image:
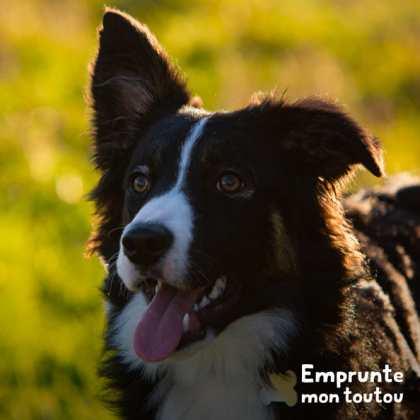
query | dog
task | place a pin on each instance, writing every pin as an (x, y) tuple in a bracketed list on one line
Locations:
[(235, 267)]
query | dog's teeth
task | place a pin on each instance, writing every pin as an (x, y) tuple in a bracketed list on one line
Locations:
[(159, 283), (185, 323), (221, 283), (204, 302), (215, 293), (195, 307)]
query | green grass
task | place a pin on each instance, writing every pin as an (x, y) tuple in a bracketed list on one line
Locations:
[(363, 52)]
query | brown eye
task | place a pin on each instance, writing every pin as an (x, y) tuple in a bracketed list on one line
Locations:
[(229, 183), (141, 184)]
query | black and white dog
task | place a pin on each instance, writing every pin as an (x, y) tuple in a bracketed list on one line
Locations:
[(230, 262)]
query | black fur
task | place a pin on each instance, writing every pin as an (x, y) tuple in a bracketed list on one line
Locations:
[(296, 157)]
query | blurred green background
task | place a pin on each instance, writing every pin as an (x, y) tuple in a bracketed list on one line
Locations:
[(364, 52)]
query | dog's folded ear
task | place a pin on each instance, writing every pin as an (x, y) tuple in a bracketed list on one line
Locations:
[(321, 139), (132, 82)]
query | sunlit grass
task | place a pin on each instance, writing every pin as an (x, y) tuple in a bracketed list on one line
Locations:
[(363, 52)]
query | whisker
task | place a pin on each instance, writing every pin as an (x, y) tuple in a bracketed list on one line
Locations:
[(113, 257), (113, 230), (206, 255), (200, 272), (112, 277)]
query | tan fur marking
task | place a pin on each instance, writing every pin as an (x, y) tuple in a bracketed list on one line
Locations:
[(285, 256)]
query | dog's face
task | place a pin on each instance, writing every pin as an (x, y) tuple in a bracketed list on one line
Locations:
[(208, 202), (200, 218)]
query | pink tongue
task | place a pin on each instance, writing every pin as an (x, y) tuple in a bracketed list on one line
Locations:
[(160, 328)]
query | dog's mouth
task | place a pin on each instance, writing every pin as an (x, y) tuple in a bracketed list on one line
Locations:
[(176, 318)]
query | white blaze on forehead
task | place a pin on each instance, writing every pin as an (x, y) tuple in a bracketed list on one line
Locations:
[(173, 210), (185, 158)]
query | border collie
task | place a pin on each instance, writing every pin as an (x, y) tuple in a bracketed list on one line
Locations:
[(231, 263)]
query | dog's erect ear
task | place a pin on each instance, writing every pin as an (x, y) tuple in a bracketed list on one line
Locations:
[(132, 83), (322, 140)]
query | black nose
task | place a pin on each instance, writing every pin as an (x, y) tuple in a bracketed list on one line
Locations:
[(145, 243)]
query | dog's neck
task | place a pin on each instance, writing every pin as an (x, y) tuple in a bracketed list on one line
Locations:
[(222, 377), (213, 399)]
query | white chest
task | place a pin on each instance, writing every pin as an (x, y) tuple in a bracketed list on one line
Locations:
[(214, 400), (218, 381)]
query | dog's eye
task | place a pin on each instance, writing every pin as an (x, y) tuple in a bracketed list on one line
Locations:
[(141, 184), (229, 183)]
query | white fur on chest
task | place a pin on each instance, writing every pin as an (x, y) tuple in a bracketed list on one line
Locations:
[(221, 379), (214, 399)]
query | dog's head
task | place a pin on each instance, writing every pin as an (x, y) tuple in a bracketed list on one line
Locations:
[(208, 215)]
